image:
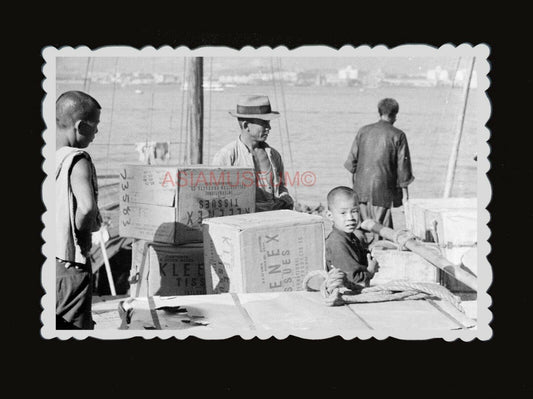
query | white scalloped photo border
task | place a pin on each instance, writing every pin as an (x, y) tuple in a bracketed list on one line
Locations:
[(482, 331)]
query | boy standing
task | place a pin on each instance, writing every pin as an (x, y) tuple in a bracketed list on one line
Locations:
[(77, 214), (346, 247)]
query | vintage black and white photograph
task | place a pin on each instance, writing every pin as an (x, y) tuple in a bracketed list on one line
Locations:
[(313, 192)]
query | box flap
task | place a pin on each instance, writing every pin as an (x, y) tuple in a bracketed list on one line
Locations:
[(443, 203), (278, 218), (148, 184)]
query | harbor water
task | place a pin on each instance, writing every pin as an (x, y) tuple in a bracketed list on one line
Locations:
[(314, 134)]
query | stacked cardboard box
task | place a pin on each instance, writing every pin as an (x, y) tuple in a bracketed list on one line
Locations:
[(421, 216), (449, 222), (168, 203), (403, 265), (262, 252), (166, 270), (162, 207)]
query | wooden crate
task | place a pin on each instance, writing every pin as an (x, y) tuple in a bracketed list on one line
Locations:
[(449, 222), (403, 265), (456, 235), (262, 252), (419, 220), (166, 270), (168, 203)]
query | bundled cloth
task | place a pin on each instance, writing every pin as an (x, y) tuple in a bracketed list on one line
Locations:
[(337, 290)]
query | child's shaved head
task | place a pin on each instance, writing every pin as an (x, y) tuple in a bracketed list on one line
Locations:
[(74, 105), (341, 192)]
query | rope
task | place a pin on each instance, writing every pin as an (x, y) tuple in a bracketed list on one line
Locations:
[(436, 134), (337, 290), (89, 73), (111, 115), (455, 73), (183, 79), (276, 99), (152, 102), (86, 75), (287, 129), (209, 138), (401, 237)]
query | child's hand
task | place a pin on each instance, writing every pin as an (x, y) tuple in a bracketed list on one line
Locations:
[(373, 265), (335, 278)]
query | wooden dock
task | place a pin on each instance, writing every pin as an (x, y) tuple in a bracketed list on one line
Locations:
[(295, 311)]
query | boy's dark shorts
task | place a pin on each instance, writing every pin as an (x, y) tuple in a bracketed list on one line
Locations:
[(73, 297)]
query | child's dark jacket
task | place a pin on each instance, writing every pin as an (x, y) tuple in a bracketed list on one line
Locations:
[(347, 252)]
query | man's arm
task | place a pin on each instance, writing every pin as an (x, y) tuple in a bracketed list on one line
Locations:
[(283, 190), (284, 201), (351, 161), (404, 171), (222, 158), (405, 195), (82, 189)]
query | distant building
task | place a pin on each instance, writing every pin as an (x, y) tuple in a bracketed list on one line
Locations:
[(438, 76), (306, 78), (373, 78), (348, 73), (462, 75), (332, 79)]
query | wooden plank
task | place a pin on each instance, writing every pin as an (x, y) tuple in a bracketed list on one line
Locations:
[(403, 265), (298, 311), (203, 312), (470, 308), (464, 319), (112, 247), (105, 312), (108, 195), (403, 315)]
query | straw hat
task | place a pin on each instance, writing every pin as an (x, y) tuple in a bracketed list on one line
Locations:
[(254, 107)]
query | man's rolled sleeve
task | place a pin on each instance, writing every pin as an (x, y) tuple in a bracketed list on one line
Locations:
[(222, 158), (351, 161), (405, 171)]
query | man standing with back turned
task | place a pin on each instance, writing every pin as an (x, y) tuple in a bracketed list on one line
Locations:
[(381, 165), (77, 214)]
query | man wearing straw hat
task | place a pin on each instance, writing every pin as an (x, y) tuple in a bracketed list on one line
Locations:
[(254, 114)]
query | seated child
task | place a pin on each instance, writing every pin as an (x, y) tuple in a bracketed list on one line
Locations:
[(346, 247)]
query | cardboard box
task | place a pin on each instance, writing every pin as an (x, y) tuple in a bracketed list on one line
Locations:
[(419, 217), (403, 265), (450, 222), (168, 203), (456, 235), (262, 252), (166, 270)]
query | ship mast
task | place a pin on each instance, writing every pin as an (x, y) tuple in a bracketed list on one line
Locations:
[(452, 163), (195, 105)]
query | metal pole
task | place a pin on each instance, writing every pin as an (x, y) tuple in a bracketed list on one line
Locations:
[(452, 163)]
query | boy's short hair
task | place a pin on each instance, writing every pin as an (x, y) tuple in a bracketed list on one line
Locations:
[(388, 106), (74, 105), (339, 191)]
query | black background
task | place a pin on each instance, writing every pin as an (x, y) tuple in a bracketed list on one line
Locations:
[(391, 367)]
